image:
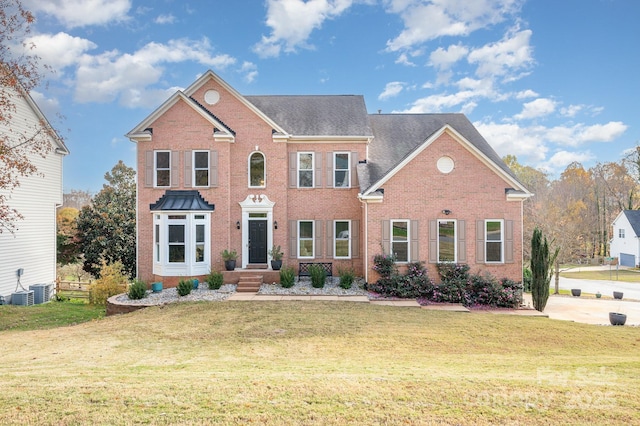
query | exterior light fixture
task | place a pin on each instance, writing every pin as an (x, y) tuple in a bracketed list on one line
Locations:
[(238, 225), (446, 211), (275, 224)]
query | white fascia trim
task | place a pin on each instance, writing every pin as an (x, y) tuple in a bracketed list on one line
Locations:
[(140, 137), (211, 75), (369, 199), (518, 197), (328, 139)]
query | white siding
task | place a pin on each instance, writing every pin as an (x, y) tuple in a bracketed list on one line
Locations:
[(628, 244), (33, 245)]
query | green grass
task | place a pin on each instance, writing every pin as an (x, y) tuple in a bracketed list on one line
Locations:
[(48, 315), (625, 275), (329, 363)]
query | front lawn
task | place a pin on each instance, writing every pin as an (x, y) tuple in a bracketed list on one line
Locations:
[(330, 363), (48, 315)]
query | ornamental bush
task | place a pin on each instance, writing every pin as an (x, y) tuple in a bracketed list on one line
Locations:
[(214, 280), (184, 287), (112, 281), (137, 290), (414, 284), (482, 289), (318, 275), (385, 265), (346, 278), (510, 294), (287, 276)]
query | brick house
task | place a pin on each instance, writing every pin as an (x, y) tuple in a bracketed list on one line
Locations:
[(322, 178)]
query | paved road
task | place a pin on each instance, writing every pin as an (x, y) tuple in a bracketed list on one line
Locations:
[(592, 310)]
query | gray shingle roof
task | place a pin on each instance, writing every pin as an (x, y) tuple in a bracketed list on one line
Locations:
[(398, 135), (181, 200), (316, 115), (633, 216)]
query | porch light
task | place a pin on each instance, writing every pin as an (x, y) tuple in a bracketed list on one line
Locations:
[(275, 224), (446, 211), (238, 225)]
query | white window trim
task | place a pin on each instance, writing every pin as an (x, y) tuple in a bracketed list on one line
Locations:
[(190, 267), (156, 169), (313, 239), (348, 169), (408, 240), (455, 240), (501, 241), (298, 169), (193, 161), (335, 239), (264, 173)]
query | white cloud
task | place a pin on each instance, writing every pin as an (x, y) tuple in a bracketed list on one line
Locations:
[(292, 21), (561, 159), (50, 107), (442, 102), (512, 53), (525, 94), (571, 110), (391, 89), (428, 20), (250, 71), (113, 75), (165, 19), (81, 13), (403, 59), (445, 58), (60, 50), (537, 108), (514, 139)]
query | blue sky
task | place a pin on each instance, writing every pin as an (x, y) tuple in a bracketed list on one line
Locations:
[(548, 81)]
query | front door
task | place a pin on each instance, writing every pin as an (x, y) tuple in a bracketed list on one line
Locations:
[(257, 241)]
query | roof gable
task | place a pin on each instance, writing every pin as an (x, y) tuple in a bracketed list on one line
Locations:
[(633, 216), (141, 132), (398, 138)]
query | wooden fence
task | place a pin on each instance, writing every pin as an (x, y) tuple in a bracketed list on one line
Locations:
[(73, 289)]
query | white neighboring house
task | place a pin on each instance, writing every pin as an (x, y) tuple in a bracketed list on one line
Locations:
[(32, 247), (625, 244)]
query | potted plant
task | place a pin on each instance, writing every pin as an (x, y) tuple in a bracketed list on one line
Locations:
[(276, 258), (617, 295), (229, 258), (576, 292), (598, 295), (616, 318)]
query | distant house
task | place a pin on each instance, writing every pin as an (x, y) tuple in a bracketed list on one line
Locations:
[(31, 249), (322, 178), (625, 244)]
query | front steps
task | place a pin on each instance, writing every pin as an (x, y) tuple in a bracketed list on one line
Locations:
[(249, 283)]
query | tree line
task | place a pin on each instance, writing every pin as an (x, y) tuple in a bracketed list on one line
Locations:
[(576, 210)]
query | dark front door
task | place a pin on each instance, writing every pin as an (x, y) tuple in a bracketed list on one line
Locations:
[(257, 241)]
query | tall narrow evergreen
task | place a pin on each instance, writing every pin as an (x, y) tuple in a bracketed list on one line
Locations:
[(541, 262)]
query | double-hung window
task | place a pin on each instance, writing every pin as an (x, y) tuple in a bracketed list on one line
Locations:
[(256, 170), (162, 163), (446, 241), (305, 170), (621, 233), (342, 240), (400, 240), (341, 170), (305, 239), (494, 241), (201, 168), (181, 243)]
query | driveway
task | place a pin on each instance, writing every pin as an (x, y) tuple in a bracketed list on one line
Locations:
[(590, 310)]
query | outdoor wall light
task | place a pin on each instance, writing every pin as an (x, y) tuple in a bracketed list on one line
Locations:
[(446, 211), (275, 224), (238, 225)]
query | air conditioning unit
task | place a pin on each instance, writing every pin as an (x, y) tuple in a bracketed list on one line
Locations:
[(23, 298), (41, 293)]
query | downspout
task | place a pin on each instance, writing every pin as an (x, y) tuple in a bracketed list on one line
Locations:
[(366, 239)]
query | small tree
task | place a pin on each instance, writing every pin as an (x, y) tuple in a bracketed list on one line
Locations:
[(541, 271)]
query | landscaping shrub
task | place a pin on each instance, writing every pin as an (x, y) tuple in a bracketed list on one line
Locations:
[(481, 289), (347, 276), (318, 275), (453, 271), (287, 277), (454, 279), (385, 265), (184, 287), (214, 280), (526, 276), (510, 294), (415, 283), (137, 290), (112, 281)]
